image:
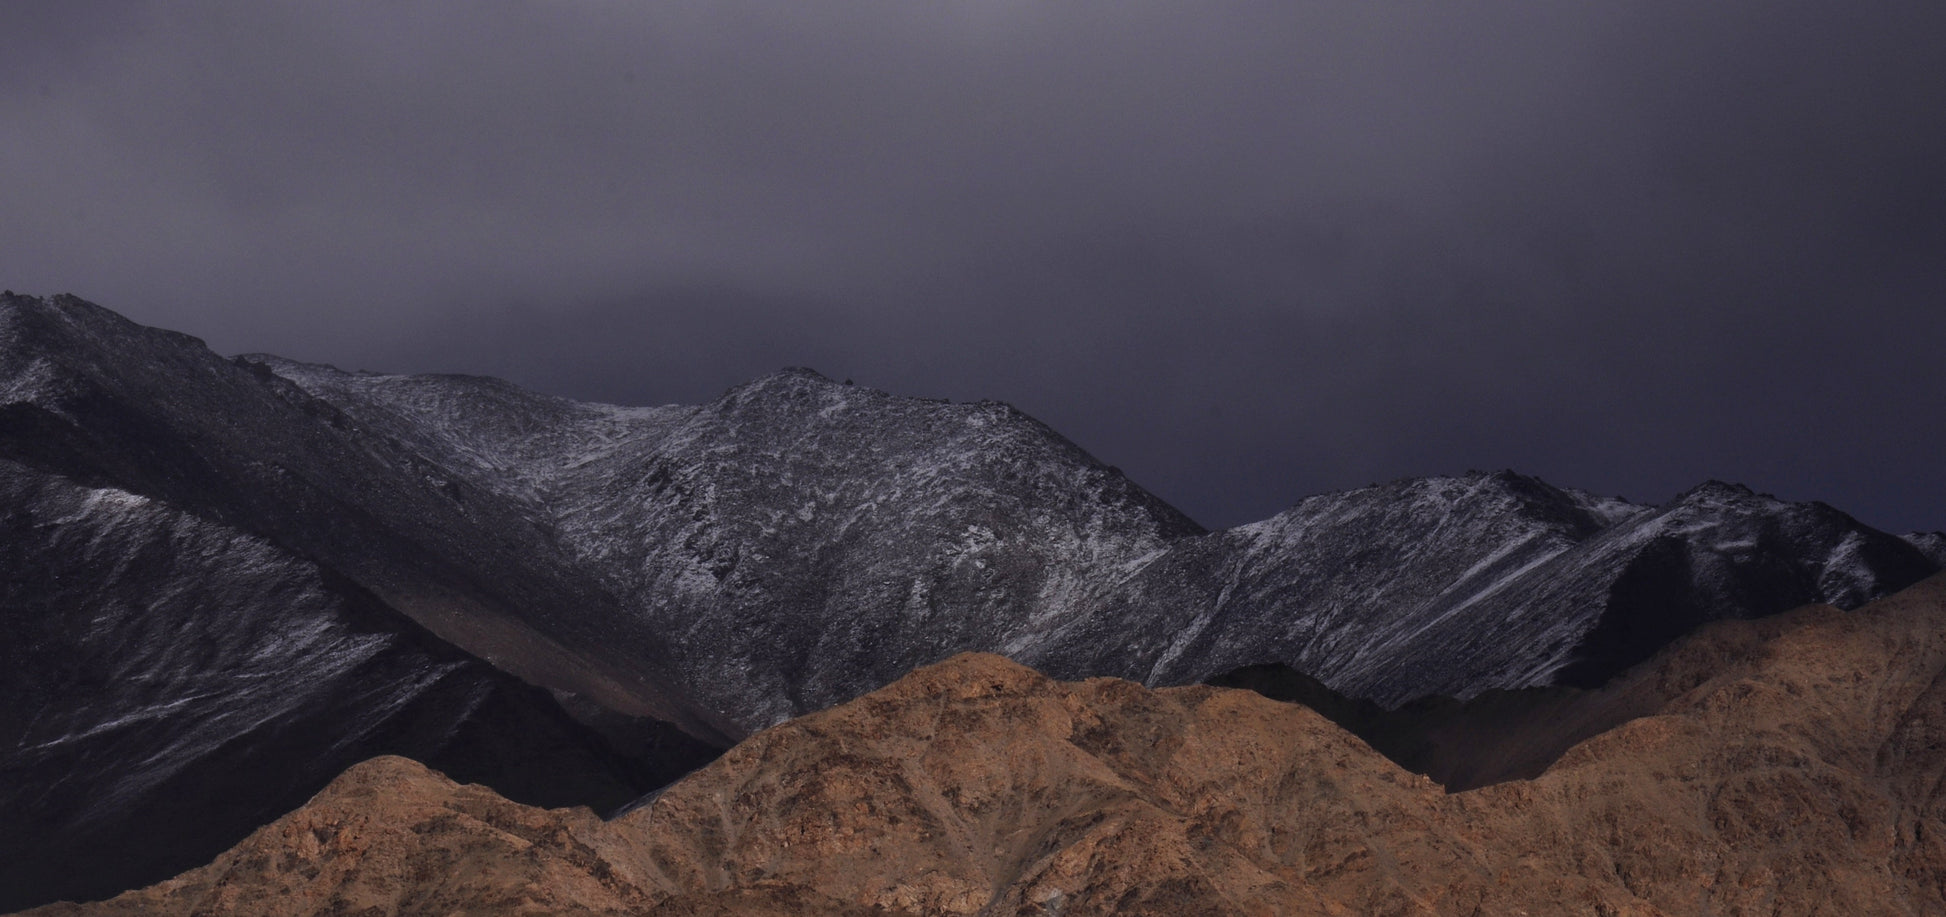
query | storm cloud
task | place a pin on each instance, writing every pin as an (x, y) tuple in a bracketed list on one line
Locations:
[(1247, 251)]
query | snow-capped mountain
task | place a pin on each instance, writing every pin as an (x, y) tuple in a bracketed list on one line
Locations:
[(790, 545), (797, 541)]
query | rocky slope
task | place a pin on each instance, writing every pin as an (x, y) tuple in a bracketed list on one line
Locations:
[(1787, 766)]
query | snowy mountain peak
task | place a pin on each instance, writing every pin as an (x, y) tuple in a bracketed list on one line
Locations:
[(785, 385)]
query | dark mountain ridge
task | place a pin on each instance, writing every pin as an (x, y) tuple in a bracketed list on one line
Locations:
[(95, 397)]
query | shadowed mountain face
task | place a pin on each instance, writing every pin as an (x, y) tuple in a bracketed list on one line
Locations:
[(171, 684), (1792, 767), (723, 567)]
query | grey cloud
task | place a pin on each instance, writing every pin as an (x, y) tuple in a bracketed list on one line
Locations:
[(1246, 250)]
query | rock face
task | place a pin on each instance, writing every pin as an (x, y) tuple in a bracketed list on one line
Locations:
[(1792, 766)]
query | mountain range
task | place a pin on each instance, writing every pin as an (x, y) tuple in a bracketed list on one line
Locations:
[(227, 580), (1787, 766)]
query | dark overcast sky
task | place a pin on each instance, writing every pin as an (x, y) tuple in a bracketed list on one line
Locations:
[(1247, 251)]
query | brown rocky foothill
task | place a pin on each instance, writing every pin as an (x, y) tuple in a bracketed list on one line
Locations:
[(1794, 765)]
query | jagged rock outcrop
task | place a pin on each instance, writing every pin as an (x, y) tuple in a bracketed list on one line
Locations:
[(1793, 767)]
